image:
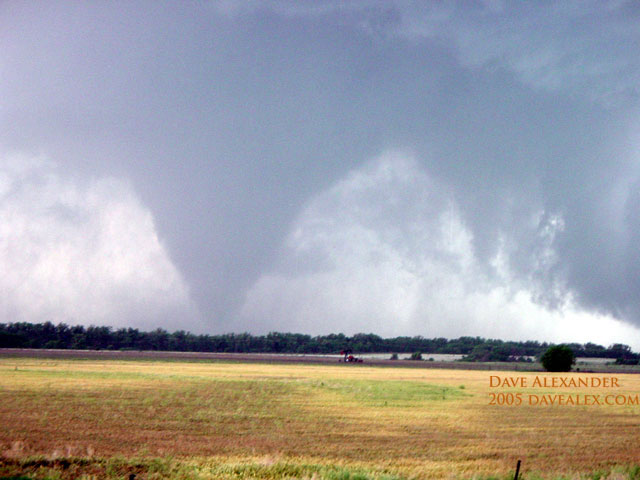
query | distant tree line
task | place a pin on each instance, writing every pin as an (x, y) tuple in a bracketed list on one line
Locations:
[(62, 336), (499, 351)]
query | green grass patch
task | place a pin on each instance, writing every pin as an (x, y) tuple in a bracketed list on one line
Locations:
[(39, 468), (390, 393)]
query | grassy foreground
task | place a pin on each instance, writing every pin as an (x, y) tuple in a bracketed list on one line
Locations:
[(190, 420)]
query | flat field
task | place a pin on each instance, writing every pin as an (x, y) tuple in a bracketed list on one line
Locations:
[(75, 418)]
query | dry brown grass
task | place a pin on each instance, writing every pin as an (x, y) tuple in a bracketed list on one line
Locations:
[(406, 422)]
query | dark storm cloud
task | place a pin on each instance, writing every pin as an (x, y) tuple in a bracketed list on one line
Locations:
[(230, 118)]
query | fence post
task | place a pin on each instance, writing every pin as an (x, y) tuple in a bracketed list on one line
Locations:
[(517, 471)]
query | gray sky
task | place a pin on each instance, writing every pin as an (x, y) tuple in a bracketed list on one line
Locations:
[(402, 168)]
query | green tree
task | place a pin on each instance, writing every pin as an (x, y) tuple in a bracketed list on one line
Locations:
[(558, 358)]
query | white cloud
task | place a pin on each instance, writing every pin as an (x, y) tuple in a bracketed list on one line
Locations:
[(82, 251), (385, 250)]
